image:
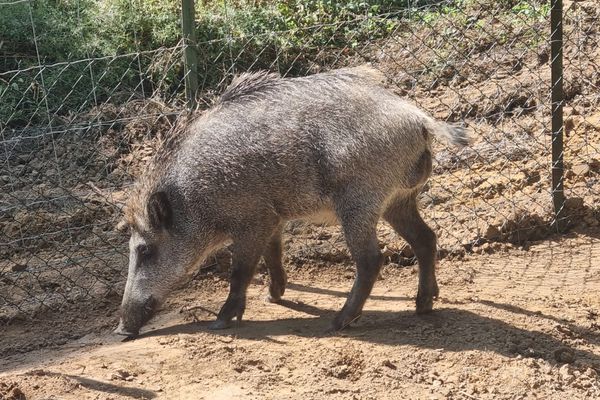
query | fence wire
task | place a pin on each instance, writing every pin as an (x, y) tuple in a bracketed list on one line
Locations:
[(74, 133)]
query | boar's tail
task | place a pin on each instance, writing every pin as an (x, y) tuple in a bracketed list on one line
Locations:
[(456, 135)]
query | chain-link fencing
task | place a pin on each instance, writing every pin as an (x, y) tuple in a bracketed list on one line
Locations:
[(75, 131)]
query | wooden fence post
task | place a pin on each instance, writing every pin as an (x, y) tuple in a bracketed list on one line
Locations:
[(190, 54)]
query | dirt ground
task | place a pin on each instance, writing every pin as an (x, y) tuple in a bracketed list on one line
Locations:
[(519, 312), (513, 324)]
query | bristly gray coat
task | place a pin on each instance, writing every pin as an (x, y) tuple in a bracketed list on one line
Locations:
[(273, 149)]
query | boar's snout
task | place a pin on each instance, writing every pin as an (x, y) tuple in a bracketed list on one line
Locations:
[(134, 315)]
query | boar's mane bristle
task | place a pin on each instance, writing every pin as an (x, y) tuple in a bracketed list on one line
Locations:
[(254, 85), (151, 179), (242, 87), (365, 71), (247, 84)]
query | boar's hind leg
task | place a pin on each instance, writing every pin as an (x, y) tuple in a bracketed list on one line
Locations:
[(246, 251), (272, 256), (359, 222), (403, 215)]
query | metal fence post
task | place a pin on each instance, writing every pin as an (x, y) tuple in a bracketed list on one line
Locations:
[(190, 51), (556, 42)]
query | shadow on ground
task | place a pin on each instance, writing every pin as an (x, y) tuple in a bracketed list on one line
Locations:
[(100, 386), (450, 329)]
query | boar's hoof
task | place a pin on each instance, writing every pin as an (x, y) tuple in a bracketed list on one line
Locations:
[(219, 324), (125, 332), (424, 306), (341, 321), (273, 299), (277, 289), (425, 302)]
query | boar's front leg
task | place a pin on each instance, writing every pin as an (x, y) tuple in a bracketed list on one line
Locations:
[(246, 251), (272, 256)]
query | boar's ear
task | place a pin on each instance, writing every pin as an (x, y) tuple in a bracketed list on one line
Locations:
[(160, 213)]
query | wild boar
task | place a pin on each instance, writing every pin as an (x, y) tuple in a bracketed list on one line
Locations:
[(275, 149)]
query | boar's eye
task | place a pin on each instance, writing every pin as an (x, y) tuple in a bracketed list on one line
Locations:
[(144, 252)]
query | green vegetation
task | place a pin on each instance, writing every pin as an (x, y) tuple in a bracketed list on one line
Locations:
[(237, 34), (288, 36), (117, 41)]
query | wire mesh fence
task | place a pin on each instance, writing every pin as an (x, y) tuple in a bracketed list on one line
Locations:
[(74, 132)]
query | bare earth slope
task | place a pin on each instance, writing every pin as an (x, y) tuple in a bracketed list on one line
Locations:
[(508, 325), (519, 313)]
